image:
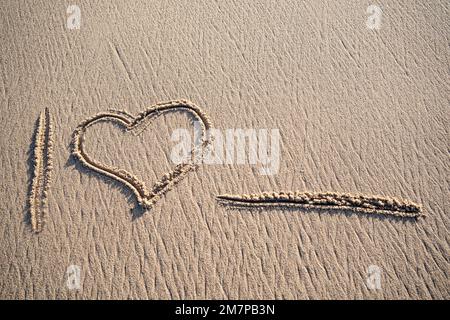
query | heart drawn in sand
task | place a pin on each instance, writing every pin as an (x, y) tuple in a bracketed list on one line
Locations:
[(146, 197)]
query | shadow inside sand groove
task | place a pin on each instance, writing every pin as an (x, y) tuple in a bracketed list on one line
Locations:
[(30, 175), (136, 211), (348, 212)]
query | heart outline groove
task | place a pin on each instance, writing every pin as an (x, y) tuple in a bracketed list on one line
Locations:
[(145, 197)]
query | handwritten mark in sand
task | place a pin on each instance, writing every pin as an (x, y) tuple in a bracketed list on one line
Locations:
[(361, 203), (42, 162), (145, 197)]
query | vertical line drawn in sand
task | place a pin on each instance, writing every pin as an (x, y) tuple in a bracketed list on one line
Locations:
[(145, 197), (332, 200), (43, 165)]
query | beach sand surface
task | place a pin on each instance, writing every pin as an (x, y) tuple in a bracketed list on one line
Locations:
[(358, 110)]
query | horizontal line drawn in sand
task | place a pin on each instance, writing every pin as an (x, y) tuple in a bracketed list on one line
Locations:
[(43, 165), (332, 200), (145, 197)]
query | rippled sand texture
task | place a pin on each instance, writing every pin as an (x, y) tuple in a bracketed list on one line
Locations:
[(359, 111)]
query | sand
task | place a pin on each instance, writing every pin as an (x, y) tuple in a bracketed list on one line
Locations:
[(324, 200), (42, 169), (359, 111), (145, 197)]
